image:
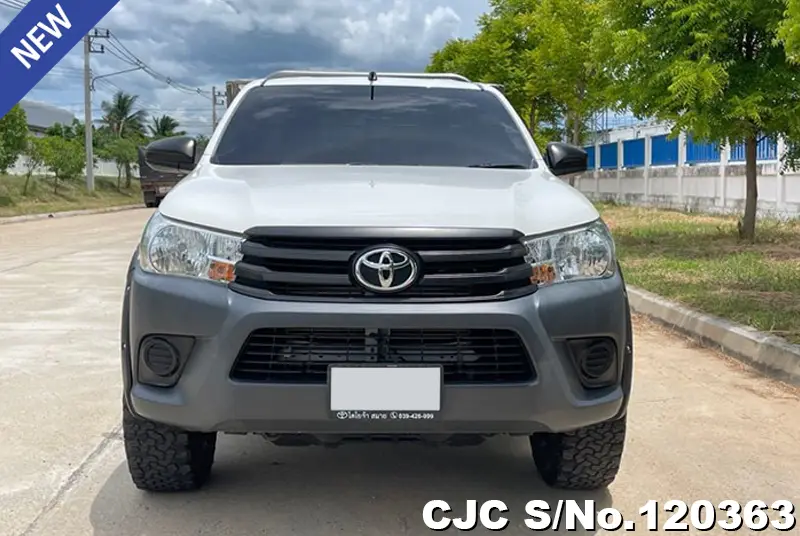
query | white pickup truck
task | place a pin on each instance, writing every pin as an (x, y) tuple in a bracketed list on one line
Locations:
[(374, 256)]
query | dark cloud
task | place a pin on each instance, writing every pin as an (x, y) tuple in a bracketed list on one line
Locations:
[(202, 43)]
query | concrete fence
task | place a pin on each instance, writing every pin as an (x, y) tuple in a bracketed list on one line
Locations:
[(102, 169), (715, 187)]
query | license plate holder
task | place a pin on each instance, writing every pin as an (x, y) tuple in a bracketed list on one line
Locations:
[(385, 393)]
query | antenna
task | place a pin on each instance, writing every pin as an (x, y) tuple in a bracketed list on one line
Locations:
[(372, 77)]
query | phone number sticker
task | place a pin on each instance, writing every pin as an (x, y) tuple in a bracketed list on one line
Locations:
[(384, 416)]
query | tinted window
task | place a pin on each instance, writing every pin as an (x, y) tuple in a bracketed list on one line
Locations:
[(330, 124)]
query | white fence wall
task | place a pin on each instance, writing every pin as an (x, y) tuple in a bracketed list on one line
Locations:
[(102, 169), (717, 187)]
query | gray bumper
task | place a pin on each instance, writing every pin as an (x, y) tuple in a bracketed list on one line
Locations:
[(206, 399)]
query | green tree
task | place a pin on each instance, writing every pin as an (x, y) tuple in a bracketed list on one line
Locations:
[(565, 63), (164, 127), (545, 55), (34, 153), (63, 158), (497, 54), (123, 119), (123, 151), (122, 116), (13, 136), (715, 68), (789, 30)]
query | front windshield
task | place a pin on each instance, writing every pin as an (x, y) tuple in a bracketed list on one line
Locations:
[(399, 126)]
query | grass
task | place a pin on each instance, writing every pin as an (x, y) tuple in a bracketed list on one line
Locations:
[(71, 195), (698, 260)]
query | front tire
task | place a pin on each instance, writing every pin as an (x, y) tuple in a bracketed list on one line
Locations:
[(162, 458), (584, 459)]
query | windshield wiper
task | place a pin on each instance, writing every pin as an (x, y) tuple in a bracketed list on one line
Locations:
[(499, 166)]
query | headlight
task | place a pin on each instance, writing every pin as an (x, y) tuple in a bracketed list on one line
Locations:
[(173, 248), (583, 253)]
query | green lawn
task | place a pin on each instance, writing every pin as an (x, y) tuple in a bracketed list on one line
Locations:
[(71, 195), (697, 260)]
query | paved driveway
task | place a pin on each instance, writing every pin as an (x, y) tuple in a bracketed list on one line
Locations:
[(701, 426)]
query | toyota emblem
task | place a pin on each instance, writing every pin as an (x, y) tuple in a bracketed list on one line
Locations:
[(385, 269)]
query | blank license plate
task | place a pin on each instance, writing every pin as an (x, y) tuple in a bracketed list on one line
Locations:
[(164, 189), (386, 388)]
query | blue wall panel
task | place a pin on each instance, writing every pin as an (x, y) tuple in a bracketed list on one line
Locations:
[(664, 151), (608, 156), (697, 153), (590, 153), (633, 153)]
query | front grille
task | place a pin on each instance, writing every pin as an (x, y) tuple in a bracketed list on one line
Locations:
[(302, 355), (316, 263)]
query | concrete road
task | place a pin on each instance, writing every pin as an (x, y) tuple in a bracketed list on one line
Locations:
[(701, 426)]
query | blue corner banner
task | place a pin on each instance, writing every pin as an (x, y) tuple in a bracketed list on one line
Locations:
[(38, 38)]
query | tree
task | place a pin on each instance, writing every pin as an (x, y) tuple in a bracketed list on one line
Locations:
[(13, 136), (121, 115), (34, 152), (715, 68), (543, 52), (164, 127), (565, 63), (789, 30), (497, 54), (123, 120), (124, 153), (63, 158)]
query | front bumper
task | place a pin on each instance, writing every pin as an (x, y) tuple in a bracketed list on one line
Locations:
[(206, 399)]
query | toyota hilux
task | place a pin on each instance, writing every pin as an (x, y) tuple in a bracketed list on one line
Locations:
[(368, 256)]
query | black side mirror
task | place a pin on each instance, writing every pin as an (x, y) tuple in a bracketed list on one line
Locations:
[(170, 155), (566, 159)]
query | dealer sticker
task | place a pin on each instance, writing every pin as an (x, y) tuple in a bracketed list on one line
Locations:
[(384, 416)]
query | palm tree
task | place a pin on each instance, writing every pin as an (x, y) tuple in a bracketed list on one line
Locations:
[(122, 117), (124, 120), (164, 127)]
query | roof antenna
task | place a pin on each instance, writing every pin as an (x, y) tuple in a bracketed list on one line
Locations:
[(372, 77)]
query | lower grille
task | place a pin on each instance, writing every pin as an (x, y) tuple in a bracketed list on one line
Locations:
[(302, 355)]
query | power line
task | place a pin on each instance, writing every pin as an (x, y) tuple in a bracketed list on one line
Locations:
[(118, 49)]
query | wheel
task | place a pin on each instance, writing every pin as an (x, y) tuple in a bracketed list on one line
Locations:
[(585, 459), (150, 204), (165, 458)]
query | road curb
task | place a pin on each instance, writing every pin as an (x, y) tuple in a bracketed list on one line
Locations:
[(766, 353), (67, 214)]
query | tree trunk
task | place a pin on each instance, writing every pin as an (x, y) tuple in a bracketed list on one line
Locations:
[(27, 182), (576, 129), (574, 133), (747, 226), (127, 176)]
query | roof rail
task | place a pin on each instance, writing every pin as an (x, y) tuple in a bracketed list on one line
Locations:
[(323, 74)]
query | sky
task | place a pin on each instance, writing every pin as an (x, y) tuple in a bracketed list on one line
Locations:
[(203, 43)]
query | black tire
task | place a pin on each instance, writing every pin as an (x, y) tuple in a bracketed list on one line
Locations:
[(163, 458), (585, 459), (150, 204)]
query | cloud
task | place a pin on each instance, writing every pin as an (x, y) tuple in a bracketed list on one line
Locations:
[(203, 43)]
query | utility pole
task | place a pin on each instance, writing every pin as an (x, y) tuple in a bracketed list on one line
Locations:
[(215, 101), (87, 124), (87, 99), (213, 108)]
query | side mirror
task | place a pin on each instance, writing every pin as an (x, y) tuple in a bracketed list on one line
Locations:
[(566, 159), (171, 155)]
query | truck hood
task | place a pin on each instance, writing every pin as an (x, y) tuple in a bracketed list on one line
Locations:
[(237, 198)]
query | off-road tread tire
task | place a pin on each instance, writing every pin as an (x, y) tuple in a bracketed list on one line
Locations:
[(162, 458), (585, 459)]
